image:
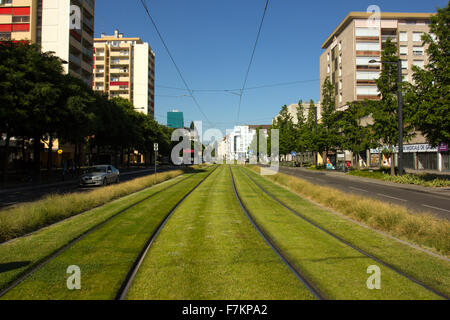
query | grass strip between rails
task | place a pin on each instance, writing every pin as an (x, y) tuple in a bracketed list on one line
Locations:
[(424, 230), (210, 250), (106, 255), (336, 269), (429, 269), (25, 218)]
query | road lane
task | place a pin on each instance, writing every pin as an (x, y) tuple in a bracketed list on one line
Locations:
[(33, 193), (417, 200)]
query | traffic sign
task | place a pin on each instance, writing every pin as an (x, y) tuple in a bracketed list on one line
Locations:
[(294, 154), (155, 147)]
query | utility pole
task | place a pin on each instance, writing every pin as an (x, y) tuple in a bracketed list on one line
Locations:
[(155, 147), (316, 153), (400, 117)]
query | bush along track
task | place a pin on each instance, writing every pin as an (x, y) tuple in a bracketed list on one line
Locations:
[(210, 250), (424, 230), (337, 269), (112, 247)]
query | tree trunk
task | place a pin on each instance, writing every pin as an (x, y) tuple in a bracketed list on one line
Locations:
[(392, 162), (49, 153), (37, 157), (357, 161), (6, 159)]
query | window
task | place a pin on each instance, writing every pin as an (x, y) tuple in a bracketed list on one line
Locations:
[(340, 72), (406, 78), (340, 45), (340, 84), (340, 98), (405, 64), (328, 69), (367, 46), (115, 43), (403, 50), (367, 75), (340, 58), (20, 19), (417, 36), (418, 51), (114, 79), (5, 36), (364, 61), (367, 90), (367, 32), (403, 36), (419, 63), (328, 57)]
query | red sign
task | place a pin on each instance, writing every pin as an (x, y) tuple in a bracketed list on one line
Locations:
[(443, 147)]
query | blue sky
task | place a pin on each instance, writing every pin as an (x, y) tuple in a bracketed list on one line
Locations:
[(212, 40)]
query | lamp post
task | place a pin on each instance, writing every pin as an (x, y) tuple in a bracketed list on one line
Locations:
[(400, 110)]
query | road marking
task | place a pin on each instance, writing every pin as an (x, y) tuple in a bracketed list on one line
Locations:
[(358, 189), (436, 208), (383, 195)]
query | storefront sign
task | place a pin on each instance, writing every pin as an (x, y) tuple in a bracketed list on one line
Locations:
[(443, 147), (411, 148)]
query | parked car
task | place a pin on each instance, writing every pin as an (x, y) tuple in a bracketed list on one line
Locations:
[(100, 176)]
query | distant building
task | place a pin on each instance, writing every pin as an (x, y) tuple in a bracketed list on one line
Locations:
[(65, 27), (175, 119), (292, 109), (125, 67)]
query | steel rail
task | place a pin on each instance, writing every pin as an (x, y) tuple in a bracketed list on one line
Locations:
[(318, 294), (363, 252), (126, 284)]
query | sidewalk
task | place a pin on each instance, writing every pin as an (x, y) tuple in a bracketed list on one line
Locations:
[(438, 191)]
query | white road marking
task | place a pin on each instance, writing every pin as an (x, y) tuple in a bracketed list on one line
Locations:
[(436, 208), (358, 189), (383, 195)]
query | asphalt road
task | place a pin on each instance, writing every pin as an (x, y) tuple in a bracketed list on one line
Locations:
[(33, 193), (418, 199)]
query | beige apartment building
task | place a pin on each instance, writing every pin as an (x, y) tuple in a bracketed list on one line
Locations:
[(358, 40), (65, 27), (346, 60), (125, 67)]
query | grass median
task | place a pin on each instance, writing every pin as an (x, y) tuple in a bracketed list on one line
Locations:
[(29, 217), (210, 250), (338, 270), (106, 255), (429, 269), (424, 230)]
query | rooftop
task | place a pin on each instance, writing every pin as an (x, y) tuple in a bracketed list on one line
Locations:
[(365, 15)]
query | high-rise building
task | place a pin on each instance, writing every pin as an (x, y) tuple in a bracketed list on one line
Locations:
[(125, 67), (65, 27), (175, 119), (359, 39)]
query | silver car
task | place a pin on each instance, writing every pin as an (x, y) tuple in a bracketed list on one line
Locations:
[(100, 176)]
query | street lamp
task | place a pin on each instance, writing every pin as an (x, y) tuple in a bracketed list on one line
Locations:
[(400, 111)]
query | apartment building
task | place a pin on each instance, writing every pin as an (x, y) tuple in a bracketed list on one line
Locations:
[(125, 67), (346, 60), (65, 27), (359, 39)]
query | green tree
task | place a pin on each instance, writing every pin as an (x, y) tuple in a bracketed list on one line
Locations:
[(328, 138), (287, 131), (429, 96), (385, 111), (356, 136)]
